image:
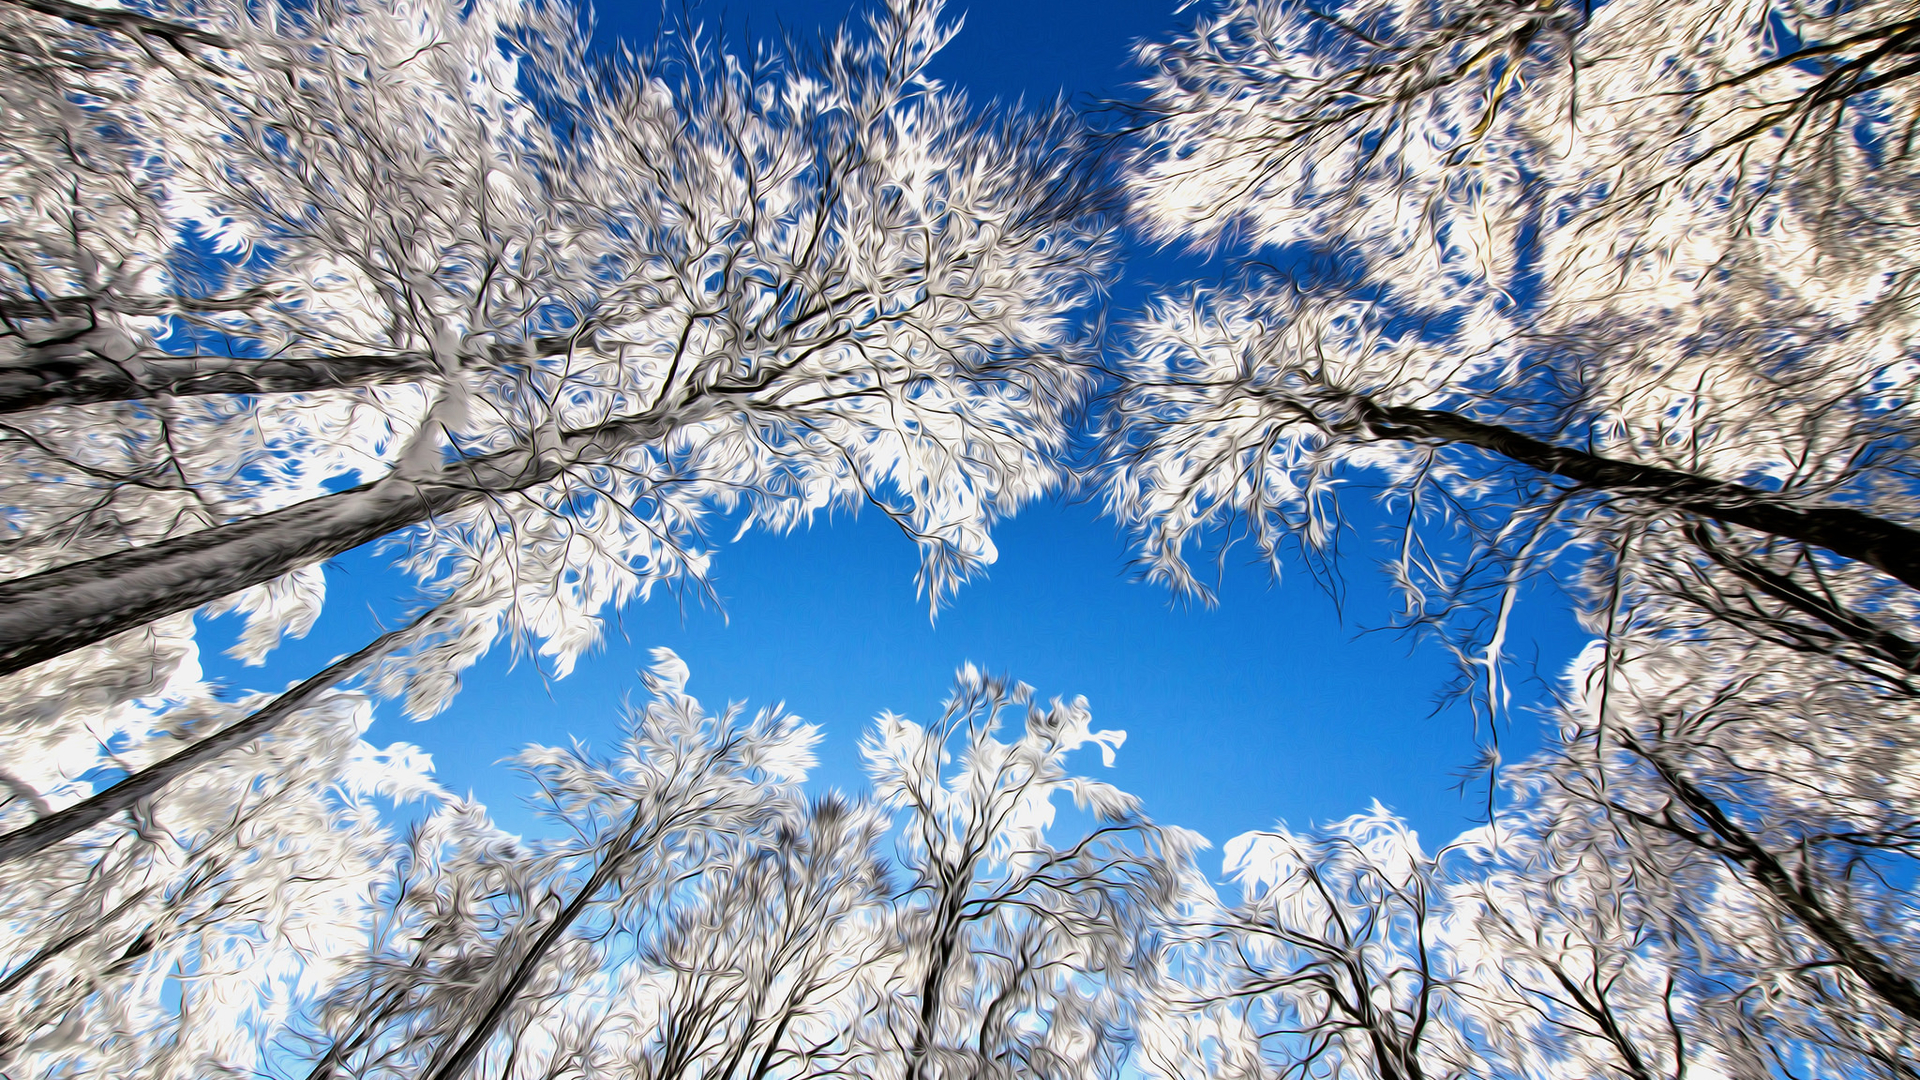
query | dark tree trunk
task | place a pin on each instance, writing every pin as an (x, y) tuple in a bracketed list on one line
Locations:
[(91, 379), (1892, 549), (149, 781), (1800, 898), (53, 612)]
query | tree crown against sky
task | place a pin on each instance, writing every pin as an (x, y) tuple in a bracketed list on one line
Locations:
[(1578, 270), (1614, 295), (566, 328)]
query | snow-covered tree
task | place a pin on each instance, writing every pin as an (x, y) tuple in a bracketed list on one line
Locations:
[(1330, 964), (175, 940), (1764, 824), (768, 971), (707, 923), (1564, 279), (1019, 955), (1708, 873), (74, 718), (1554, 959), (278, 280), (482, 942), (603, 305), (1615, 292), (1618, 293), (379, 267)]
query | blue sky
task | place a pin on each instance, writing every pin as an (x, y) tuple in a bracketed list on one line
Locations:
[(1272, 705)]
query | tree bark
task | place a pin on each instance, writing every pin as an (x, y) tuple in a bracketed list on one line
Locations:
[(48, 614), (56, 373), (126, 22), (463, 1055), (90, 379), (1853, 627), (53, 612), (1801, 900), (151, 780), (1892, 549)]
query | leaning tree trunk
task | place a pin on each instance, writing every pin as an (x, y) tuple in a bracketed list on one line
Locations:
[(132, 23), (91, 379), (53, 612), (454, 1058), (45, 375), (1890, 548), (151, 780), (1797, 893), (48, 614)]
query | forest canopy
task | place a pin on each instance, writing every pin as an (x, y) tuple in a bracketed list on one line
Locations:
[(1604, 302)]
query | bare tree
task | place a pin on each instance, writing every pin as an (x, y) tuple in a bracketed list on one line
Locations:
[(765, 974), (1766, 819), (1331, 961), (488, 936), (174, 943)]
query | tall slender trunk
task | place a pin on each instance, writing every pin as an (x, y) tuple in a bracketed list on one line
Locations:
[(1850, 625), (48, 614), (151, 780), (53, 612), (124, 21), (1892, 549), (46, 375), (53, 951), (1798, 897), (933, 984), (457, 1062), (87, 380)]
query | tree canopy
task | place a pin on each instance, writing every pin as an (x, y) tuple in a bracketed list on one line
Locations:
[(1610, 297)]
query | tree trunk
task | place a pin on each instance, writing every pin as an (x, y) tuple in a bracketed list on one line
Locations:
[(53, 612), (122, 21), (151, 780), (51, 952), (1800, 899), (457, 1062), (89, 379), (933, 985), (1851, 626), (1892, 549), (48, 614)]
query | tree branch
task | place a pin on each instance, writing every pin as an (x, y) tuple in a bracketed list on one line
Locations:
[(87, 380), (1856, 628), (122, 21), (53, 612)]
